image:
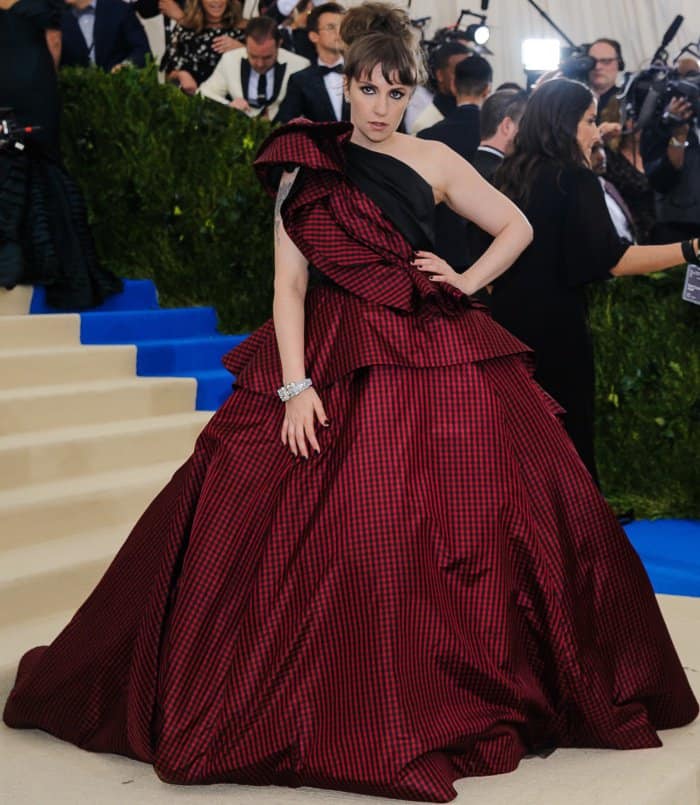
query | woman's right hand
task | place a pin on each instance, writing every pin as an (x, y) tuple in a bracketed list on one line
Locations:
[(298, 428)]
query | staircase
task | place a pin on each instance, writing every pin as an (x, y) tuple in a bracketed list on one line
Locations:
[(96, 412)]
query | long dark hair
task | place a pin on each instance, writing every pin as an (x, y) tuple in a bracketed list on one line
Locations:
[(547, 134)]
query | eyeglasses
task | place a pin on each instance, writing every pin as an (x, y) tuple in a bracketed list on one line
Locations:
[(605, 62)]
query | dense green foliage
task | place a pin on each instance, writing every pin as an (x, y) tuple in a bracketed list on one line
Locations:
[(173, 197), (171, 191), (648, 394)]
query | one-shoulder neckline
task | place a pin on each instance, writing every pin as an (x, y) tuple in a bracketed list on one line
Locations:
[(401, 162)]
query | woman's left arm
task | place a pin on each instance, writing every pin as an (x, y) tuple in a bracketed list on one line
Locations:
[(472, 197)]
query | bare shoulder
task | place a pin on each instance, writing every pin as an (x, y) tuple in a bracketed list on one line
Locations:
[(433, 160)]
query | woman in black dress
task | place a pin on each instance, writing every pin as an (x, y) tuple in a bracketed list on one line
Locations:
[(44, 236), (541, 299)]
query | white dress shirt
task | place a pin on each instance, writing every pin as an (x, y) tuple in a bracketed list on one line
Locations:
[(334, 88), (269, 83), (86, 23)]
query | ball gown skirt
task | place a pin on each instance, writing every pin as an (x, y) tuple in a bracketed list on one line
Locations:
[(439, 592)]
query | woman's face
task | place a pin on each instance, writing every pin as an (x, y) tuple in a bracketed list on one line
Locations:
[(587, 131), (213, 10), (376, 106)]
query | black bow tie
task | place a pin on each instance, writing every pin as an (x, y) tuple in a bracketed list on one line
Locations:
[(326, 70)]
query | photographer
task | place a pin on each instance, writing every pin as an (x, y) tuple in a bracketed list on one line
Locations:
[(602, 79), (671, 155)]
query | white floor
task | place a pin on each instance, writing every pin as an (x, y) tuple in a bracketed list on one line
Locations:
[(36, 768)]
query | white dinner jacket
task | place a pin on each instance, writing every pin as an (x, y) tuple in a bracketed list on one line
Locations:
[(226, 79)]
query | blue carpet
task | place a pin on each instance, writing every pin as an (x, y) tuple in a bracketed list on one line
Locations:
[(670, 551), (173, 342)]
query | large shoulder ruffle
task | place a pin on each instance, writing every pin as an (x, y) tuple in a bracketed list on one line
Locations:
[(318, 146), (338, 228), (379, 310)]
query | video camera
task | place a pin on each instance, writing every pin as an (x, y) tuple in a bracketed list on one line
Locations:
[(649, 92), (646, 94)]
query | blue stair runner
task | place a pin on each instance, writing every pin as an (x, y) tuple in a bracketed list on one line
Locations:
[(175, 342)]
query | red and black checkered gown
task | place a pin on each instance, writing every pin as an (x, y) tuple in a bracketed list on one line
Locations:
[(439, 592)]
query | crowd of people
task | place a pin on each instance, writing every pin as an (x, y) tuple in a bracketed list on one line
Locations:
[(392, 570), (589, 200)]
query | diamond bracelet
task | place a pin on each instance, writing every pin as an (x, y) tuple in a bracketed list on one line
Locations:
[(290, 390)]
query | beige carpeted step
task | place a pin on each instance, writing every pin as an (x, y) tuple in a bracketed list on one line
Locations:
[(45, 407), (46, 577), (41, 457), (33, 331), (43, 366), (17, 301), (44, 512)]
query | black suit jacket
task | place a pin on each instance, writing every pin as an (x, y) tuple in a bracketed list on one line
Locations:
[(118, 37), (460, 130), (487, 163), (307, 97)]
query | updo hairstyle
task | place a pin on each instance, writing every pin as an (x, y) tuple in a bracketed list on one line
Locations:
[(377, 33)]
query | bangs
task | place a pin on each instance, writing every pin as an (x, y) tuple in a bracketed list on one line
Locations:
[(398, 63)]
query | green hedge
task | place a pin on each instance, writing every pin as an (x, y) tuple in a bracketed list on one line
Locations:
[(170, 189), (648, 394), (173, 197)]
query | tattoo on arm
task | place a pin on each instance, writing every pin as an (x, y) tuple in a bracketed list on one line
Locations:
[(284, 190)]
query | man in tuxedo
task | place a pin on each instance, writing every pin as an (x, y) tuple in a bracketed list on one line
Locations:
[(461, 128), (500, 118), (426, 109), (618, 210), (106, 33), (254, 79), (317, 92)]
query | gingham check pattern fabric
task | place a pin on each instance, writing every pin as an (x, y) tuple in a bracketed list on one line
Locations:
[(437, 593)]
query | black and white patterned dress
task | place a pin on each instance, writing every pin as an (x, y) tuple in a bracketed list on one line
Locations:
[(193, 51)]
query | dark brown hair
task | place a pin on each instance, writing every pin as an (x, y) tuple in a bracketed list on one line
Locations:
[(261, 28), (546, 135), (318, 11), (376, 33), (195, 20)]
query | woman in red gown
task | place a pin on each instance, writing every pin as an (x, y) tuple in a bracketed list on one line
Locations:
[(438, 589)]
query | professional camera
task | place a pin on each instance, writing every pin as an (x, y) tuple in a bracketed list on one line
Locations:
[(649, 92), (577, 64)]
